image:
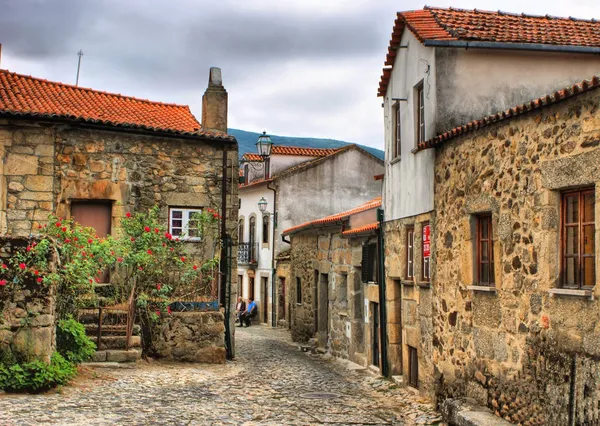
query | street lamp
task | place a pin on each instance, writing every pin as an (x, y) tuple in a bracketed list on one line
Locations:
[(262, 205), (264, 145)]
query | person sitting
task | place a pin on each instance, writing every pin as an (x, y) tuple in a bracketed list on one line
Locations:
[(239, 309), (250, 312)]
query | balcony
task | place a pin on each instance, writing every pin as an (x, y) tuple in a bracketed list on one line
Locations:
[(247, 253)]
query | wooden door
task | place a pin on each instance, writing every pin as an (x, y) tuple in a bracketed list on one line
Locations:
[(265, 295), (97, 215), (375, 334)]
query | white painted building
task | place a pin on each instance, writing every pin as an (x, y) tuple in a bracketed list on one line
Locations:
[(298, 185)]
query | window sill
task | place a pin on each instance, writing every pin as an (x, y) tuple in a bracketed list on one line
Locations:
[(395, 160), (571, 292), (408, 283), (424, 284), (414, 150), (482, 288)]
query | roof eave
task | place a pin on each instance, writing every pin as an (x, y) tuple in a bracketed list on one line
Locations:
[(538, 47)]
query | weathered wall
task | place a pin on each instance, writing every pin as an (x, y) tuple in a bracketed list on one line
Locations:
[(495, 80), (521, 350), (335, 185), (329, 267), (193, 337), (409, 302), (27, 314)]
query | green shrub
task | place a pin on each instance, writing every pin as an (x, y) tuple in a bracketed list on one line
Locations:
[(36, 376), (72, 342)]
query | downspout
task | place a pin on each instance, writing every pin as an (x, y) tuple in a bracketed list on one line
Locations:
[(273, 304), (225, 241), (382, 298)]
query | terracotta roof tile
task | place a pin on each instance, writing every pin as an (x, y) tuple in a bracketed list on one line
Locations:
[(22, 95), (362, 229), (559, 95), (432, 23), (292, 150), (372, 204)]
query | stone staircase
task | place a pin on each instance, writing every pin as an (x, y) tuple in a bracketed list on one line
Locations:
[(111, 327)]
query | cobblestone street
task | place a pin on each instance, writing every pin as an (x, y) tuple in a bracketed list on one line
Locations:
[(267, 384)]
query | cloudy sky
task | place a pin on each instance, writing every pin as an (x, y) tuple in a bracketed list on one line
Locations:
[(298, 68)]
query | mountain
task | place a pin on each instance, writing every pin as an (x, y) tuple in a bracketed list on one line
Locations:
[(247, 142)]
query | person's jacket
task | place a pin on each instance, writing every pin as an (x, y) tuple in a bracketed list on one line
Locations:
[(241, 306)]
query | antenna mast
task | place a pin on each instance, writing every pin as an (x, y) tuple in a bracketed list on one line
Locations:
[(80, 54)]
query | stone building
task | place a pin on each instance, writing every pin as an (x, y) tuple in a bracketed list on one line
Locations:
[(516, 308), (92, 155), (301, 184), (334, 273), (445, 67)]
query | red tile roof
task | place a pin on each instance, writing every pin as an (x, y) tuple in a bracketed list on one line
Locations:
[(361, 229), (293, 150), (22, 95), (432, 23), (560, 95), (373, 204)]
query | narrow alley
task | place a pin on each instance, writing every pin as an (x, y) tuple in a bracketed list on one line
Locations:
[(271, 382)]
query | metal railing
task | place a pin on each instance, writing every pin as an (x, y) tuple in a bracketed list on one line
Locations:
[(247, 253)]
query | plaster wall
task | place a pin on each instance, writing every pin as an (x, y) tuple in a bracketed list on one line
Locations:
[(472, 83), (335, 185), (408, 184)]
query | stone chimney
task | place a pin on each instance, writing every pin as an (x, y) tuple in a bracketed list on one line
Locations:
[(214, 103)]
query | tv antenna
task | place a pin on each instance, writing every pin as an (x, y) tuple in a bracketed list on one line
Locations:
[(80, 54)]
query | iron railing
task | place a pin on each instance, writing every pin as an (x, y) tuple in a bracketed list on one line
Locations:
[(247, 253)]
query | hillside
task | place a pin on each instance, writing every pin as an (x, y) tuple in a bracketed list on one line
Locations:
[(247, 142)]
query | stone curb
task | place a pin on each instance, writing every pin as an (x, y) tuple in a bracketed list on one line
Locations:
[(466, 412)]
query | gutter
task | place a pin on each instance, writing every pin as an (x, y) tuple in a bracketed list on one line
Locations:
[(383, 336), (537, 47)]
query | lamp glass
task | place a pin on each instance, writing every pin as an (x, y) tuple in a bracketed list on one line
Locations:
[(262, 205), (264, 145)]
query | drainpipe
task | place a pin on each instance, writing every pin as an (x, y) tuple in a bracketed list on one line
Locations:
[(224, 293), (273, 304), (382, 298)]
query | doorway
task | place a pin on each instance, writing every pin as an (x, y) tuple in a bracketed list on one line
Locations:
[(375, 334), (263, 297), (251, 288), (97, 215), (323, 311), (281, 300)]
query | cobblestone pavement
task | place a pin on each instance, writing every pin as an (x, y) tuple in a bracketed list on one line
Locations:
[(266, 385)]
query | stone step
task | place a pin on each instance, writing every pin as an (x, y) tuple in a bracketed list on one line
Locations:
[(111, 330), (116, 356), (116, 342), (111, 316)]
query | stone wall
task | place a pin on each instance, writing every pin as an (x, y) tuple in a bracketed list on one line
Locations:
[(27, 314), (525, 351), (409, 302), (329, 268), (284, 299), (193, 337)]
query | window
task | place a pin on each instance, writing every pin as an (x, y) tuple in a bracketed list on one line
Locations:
[(265, 229), (252, 240), (298, 291), (578, 245), (420, 114), (485, 250), (426, 249), (397, 131), (246, 174), (267, 168), (413, 367), (370, 266), (240, 285), (410, 252), (241, 230), (182, 223)]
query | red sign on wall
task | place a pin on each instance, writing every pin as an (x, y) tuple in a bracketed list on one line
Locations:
[(426, 241)]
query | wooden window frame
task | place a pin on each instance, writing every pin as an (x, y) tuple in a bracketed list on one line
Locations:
[(420, 113), (397, 133), (481, 218), (580, 237), (410, 253), (370, 263), (241, 230), (185, 220), (425, 278), (267, 168)]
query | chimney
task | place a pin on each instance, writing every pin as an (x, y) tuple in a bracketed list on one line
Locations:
[(214, 103)]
